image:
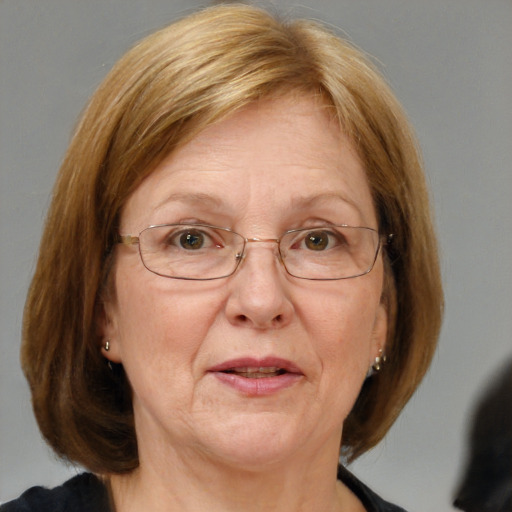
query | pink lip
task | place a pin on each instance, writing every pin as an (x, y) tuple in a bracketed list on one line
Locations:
[(262, 386)]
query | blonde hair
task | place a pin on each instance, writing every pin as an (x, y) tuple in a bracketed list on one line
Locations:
[(160, 95)]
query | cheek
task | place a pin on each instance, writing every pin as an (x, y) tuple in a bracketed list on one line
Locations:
[(160, 328), (341, 324)]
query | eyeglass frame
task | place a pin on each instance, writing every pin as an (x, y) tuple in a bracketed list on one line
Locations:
[(383, 240)]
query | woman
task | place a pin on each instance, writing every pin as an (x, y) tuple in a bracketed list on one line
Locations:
[(238, 275)]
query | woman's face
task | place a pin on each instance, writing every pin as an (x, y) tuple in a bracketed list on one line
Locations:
[(192, 349)]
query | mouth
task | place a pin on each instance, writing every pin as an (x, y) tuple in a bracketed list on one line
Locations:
[(253, 368), (256, 372), (258, 377)]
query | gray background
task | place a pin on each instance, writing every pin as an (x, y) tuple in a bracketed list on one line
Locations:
[(450, 64)]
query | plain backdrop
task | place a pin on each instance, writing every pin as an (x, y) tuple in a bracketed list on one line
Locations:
[(449, 62)]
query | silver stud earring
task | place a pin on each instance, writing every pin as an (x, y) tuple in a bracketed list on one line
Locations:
[(107, 345), (380, 359)]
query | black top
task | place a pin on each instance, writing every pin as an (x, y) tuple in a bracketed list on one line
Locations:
[(86, 493), (371, 501), (82, 493)]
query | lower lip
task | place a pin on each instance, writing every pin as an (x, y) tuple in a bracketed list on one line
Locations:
[(258, 387)]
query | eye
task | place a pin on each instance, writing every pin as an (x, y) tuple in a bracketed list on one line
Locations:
[(192, 240), (317, 240)]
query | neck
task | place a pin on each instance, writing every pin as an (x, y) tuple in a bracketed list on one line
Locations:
[(192, 483)]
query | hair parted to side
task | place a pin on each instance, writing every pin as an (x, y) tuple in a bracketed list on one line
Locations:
[(160, 95)]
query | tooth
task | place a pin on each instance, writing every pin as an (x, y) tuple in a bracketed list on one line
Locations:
[(255, 372), (246, 369), (255, 369), (258, 375), (270, 369)]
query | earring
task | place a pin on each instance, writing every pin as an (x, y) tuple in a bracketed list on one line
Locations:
[(107, 345), (380, 359)]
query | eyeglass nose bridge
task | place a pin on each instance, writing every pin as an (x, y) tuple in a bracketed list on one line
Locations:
[(242, 254), (276, 240)]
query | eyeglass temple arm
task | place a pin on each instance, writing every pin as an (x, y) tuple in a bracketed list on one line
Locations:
[(127, 239)]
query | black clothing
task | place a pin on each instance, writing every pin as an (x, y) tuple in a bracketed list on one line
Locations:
[(487, 482), (83, 493), (86, 493), (371, 501)]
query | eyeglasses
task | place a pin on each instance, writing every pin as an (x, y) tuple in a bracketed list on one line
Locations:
[(204, 252)]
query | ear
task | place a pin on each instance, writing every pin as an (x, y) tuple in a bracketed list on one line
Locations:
[(379, 334), (106, 329)]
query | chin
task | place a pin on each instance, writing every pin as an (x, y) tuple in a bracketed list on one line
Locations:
[(254, 442)]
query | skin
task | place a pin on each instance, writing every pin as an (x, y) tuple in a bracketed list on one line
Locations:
[(276, 165)]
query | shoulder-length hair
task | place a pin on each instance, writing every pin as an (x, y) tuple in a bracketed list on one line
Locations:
[(160, 95)]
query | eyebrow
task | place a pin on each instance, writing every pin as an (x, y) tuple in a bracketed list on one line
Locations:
[(192, 198), (299, 202)]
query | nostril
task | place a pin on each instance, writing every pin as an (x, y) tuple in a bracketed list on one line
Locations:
[(242, 319)]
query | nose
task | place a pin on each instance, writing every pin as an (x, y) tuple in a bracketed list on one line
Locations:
[(259, 294)]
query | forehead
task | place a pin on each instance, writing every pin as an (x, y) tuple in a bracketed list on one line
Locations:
[(274, 157)]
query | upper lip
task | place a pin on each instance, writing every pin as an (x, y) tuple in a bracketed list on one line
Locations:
[(252, 363)]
